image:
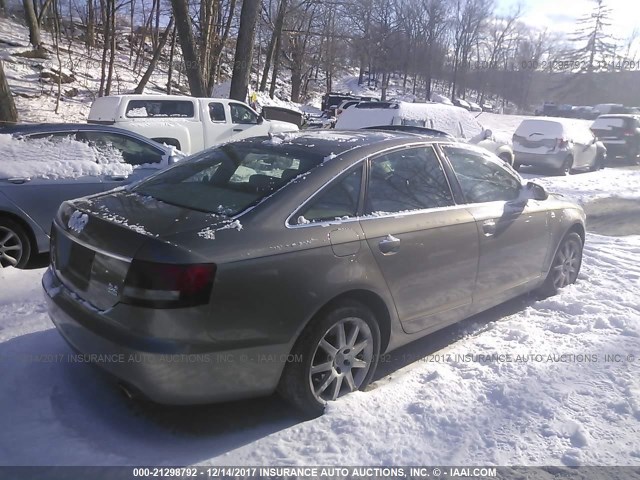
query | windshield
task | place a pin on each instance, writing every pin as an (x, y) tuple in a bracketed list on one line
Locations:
[(228, 179)]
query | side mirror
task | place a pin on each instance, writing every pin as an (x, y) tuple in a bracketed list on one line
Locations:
[(260, 119), (488, 134), (536, 191)]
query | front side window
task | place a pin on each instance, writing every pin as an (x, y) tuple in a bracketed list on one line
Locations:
[(134, 152), (336, 201), (242, 114), (409, 179), (481, 177)]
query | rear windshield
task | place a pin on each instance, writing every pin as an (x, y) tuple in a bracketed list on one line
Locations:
[(228, 179), (609, 123), (540, 129)]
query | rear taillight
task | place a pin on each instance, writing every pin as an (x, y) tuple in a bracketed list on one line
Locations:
[(161, 285), (629, 133), (561, 143)]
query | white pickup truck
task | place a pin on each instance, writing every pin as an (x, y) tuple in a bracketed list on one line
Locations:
[(188, 123)]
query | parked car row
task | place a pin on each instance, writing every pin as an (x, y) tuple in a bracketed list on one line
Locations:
[(319, 251), (566, 145)]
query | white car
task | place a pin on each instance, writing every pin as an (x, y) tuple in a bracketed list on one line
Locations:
[(455, 121), (188, 123), (561, 144)]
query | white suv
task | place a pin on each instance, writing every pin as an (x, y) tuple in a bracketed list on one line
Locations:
[(455, 121)]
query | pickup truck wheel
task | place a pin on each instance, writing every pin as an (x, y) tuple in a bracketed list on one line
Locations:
[(15, 247), (336, 354), (506, 158)]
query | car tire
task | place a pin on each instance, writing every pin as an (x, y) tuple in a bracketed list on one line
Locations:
[(565, 266), (598, 163), (506, 158), (15, 246), (566, 167), (324, 364), (516, 166)]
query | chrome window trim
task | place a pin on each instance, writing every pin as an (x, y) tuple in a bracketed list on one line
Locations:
[(430, 144)]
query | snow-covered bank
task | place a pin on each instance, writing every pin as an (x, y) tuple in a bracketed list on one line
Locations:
[(554, 382)]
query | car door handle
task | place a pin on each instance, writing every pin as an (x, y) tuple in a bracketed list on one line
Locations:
[(237, 129), (389, 245), (118, 178), (489, 228), (18, 180)]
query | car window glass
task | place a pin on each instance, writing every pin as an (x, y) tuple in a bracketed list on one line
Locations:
[(408, 179), (230, 178), (482, 178), (216, 112), (160, 108), (54, 137), (134, 152), (241, 114), (336, 201)]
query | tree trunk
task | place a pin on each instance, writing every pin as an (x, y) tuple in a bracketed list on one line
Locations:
[(244, 50), (104, 8), (8, 112), (276, 66), (32, 22), (90, 39), (154, 60), (112, 55), (187, 43), (3, 8), (171, 56), (275, 39)]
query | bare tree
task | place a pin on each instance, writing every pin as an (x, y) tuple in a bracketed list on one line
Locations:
[(244, 50), (8, 112), (32, 23), (187, 44), (154, 60)]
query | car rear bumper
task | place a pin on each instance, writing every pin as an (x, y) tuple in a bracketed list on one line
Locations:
[(618, 148), (549, 160), (165, 371)]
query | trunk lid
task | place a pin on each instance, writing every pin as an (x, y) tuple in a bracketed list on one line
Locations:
[(95, 239)]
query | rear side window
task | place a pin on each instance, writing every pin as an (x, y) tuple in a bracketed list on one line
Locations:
[(159, 108), (482, 178), (336, 201), (134, 152), (216, 112), (409, 179)]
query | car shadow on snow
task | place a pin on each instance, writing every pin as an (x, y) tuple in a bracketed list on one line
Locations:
[(420, 350), (61, 412)]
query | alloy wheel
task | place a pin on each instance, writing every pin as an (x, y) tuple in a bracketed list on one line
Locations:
[(341, 359), (11, 248), (567, 264)]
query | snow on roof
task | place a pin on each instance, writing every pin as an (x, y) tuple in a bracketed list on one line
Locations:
[(455, 121), (59, 158)]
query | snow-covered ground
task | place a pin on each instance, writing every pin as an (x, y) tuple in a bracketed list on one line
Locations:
[(552, 382)]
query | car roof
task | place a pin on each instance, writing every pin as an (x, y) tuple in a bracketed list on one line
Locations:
[(332, 143)]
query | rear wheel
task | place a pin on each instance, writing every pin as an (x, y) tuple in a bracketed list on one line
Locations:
[(506, 158), (566, 167), (335, 355), (516, 166), (15, 247), (598, 163), (565, 267)]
